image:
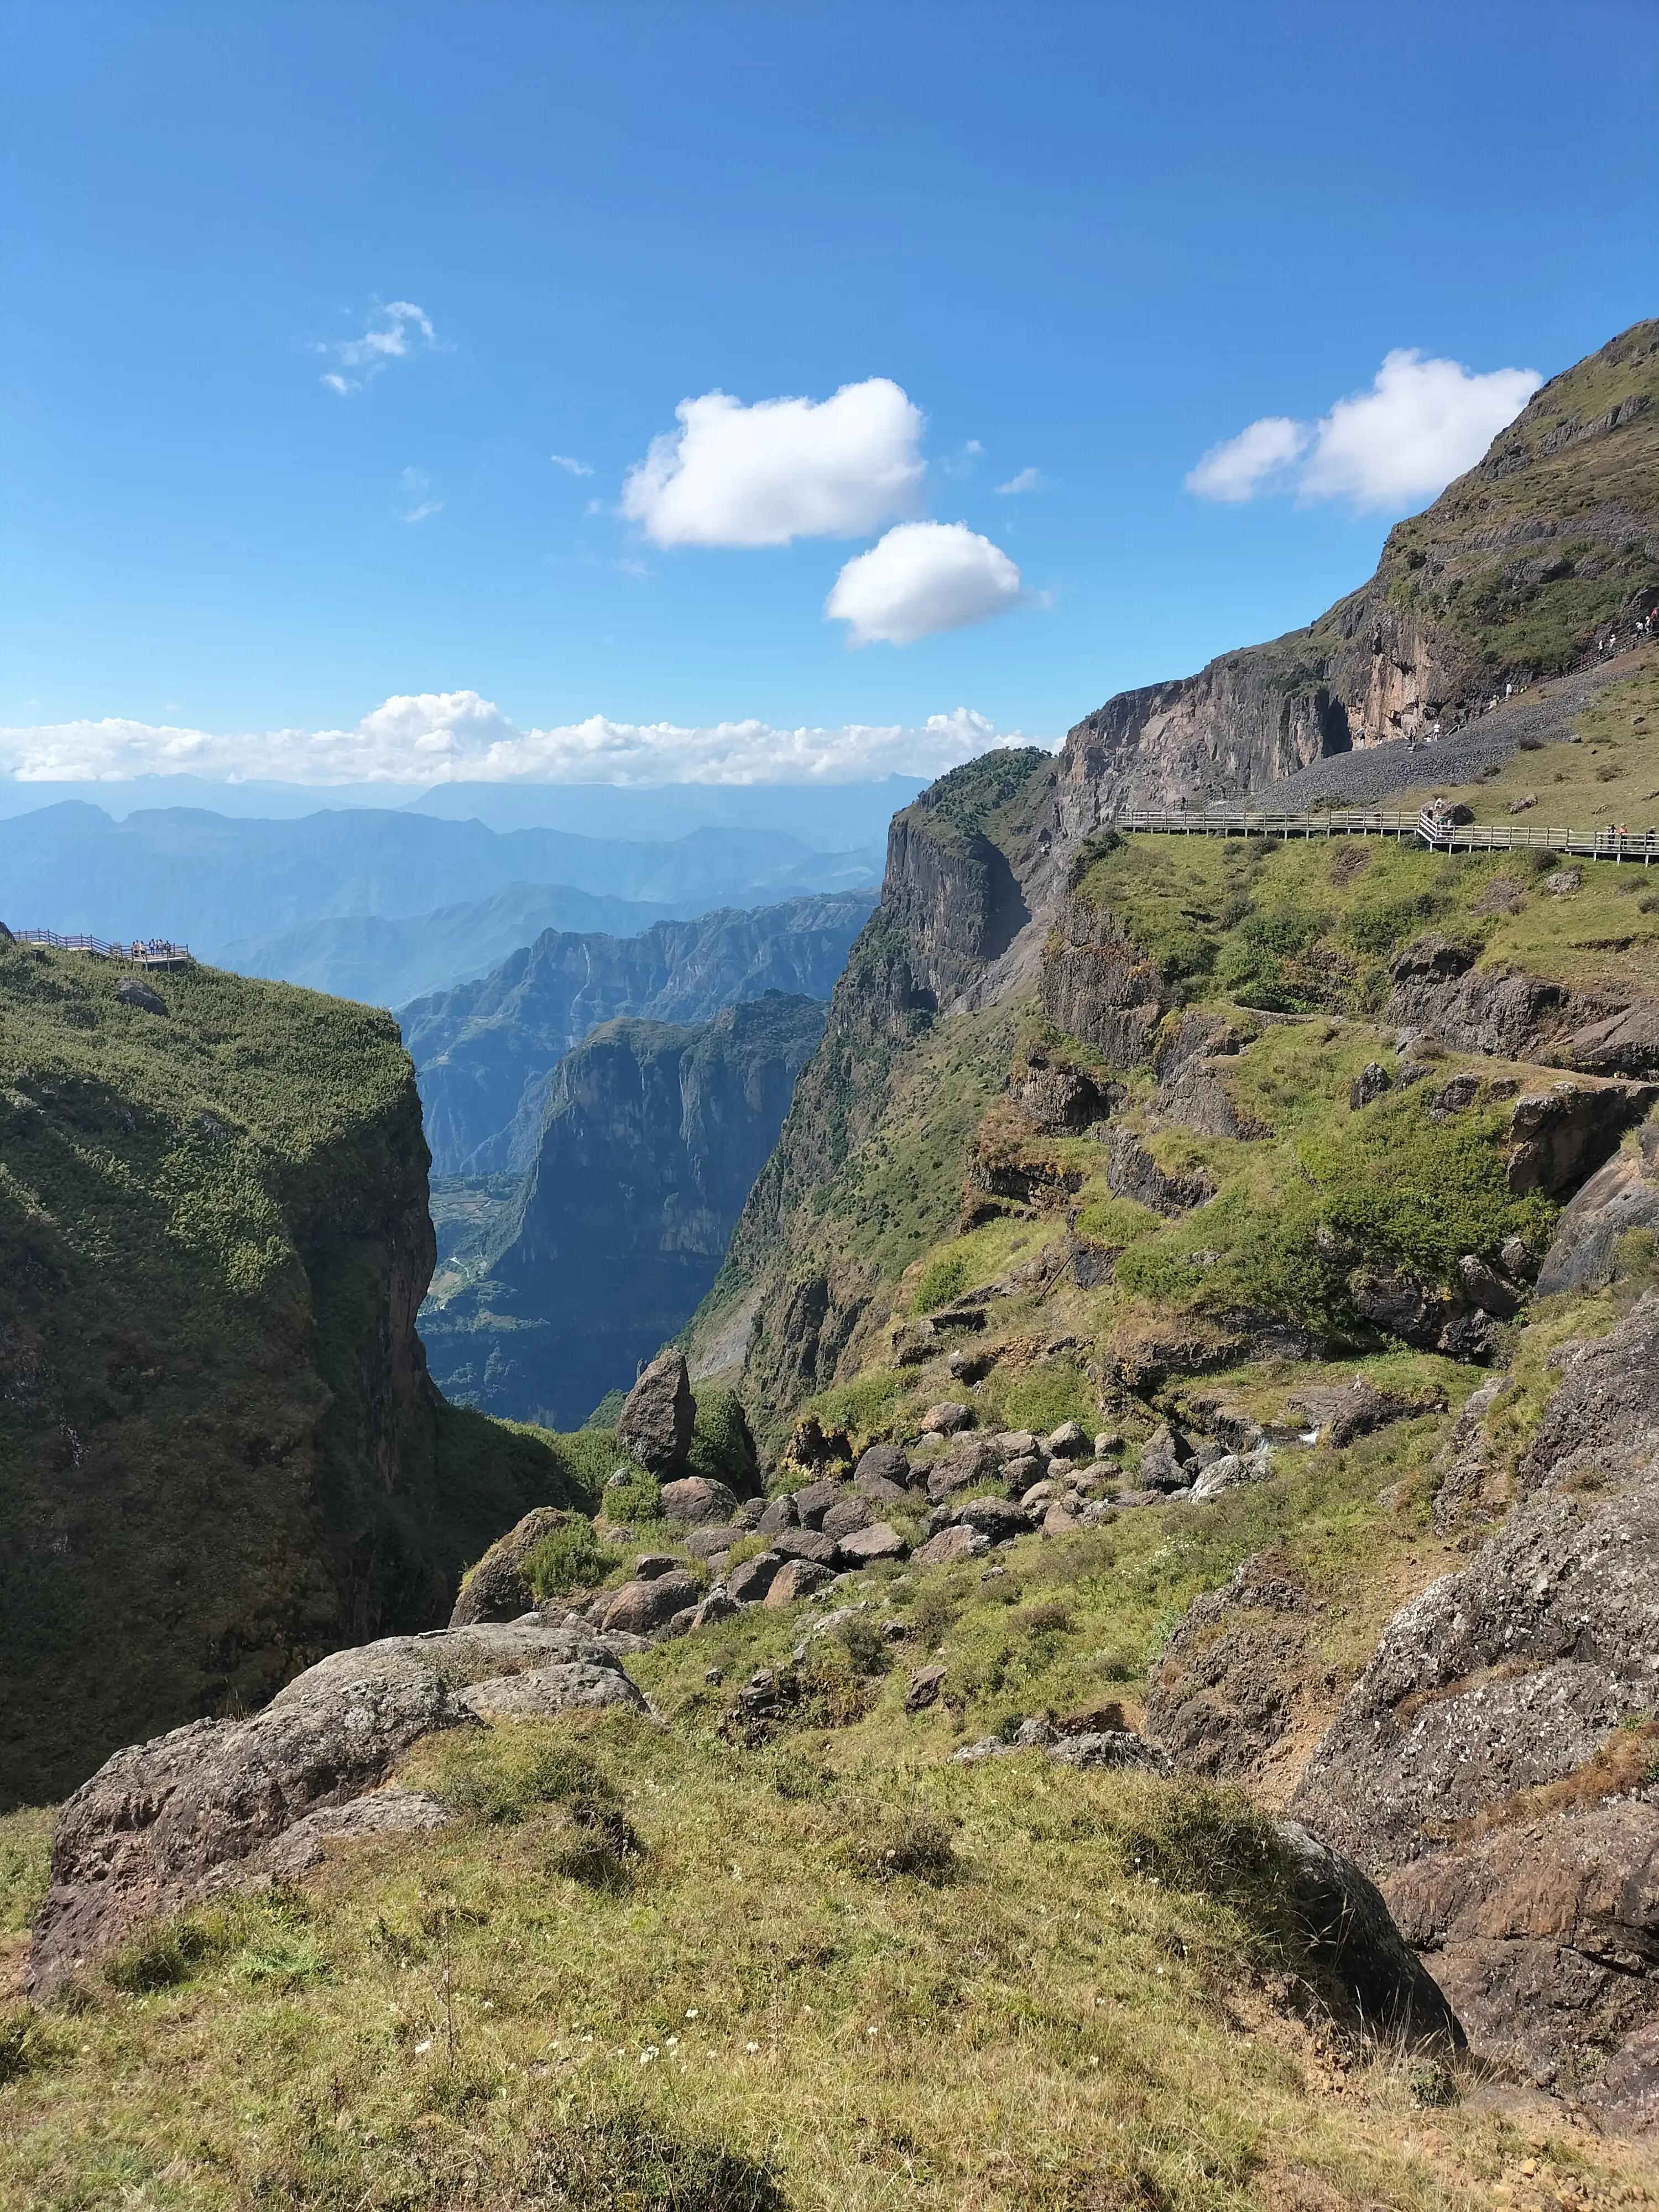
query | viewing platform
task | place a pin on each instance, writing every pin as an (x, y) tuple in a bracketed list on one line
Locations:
[(141, 952)]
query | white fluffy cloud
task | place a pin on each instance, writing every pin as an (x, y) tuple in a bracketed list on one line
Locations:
[(1240, 468), (456, 736), (733, 475), (1027, 480), (922, 578), (397, 329), (571, 467), (1422, 423)]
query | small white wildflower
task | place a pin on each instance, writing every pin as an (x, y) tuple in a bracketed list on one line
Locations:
[(421, 2049), (669, 2041), (690, 2012), (751, 2046), (647, 2056), (873, 2031)]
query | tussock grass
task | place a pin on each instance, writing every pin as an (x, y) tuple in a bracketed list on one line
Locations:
[(1006, 1986)]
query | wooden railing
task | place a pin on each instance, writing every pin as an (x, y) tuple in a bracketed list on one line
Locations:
[(1436, 830)]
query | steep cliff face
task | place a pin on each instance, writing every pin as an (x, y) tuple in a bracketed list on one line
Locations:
[(653, 1138), (219, 1452), (1515, 571), (485, 1052), (868, 1167)]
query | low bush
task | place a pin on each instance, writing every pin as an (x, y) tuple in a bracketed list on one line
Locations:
[(570, 1558)]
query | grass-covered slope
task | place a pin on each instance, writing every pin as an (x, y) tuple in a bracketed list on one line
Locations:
[(654, 1966), (219, 1455)]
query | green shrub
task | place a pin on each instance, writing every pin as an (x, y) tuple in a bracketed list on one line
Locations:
[(722, 1442), (940, 1281), (883, 1842), (636, 1497), (570, 1558)]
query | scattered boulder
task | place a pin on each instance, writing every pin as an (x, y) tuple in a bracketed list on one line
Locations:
[(995, 1519), (748, 1584), (1341, 1413), (1069, 1440), (1163, 1458), (884, 1463), (814, 1500), (798, 1578), (1200, 1101), (806, 1544), (946, 1419), (655, 1426), (1354, 1939), (972, 1461), (961, 1542), (496, 1590), (718, 1605), (924, 1688), (714, 1541), (650, 1564), (1097, 1747), (696, 1500), (779, 1513), (1373, 1080), (132, 992), (164, 1824), (867, 1547), (846, 1515), (1233, 1471), (639, 1607), (1563, 883), (1063, 1516)]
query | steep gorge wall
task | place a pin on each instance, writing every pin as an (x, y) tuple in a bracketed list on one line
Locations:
[(221, 1455)]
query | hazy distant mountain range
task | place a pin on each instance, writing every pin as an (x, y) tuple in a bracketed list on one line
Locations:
[(252, 892)]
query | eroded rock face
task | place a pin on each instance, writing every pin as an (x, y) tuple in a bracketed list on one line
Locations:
[(655, 1424), (1228, 1689), (1099, 986), (1509, 1676), (1622, 1196), (1545, 1936), (164, 1824)]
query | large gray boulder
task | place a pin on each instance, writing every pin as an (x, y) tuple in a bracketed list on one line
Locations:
[(655, 1426), (165, 1824), (1353, 1936)]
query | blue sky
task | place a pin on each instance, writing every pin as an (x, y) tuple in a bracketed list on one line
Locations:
[(1093, 242)]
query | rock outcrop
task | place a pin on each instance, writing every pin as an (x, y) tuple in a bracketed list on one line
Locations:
[(1513, 572), (655, 1423), (164, 1824), (496, 1588), (1473, 1765)]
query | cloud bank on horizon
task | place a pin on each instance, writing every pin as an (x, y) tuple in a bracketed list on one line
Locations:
[(1422, 423), (457, 737)]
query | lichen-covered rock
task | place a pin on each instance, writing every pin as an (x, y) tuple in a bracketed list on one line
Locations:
[(748, 1584), (882, 1463), (814, 1499), (164, 1824), (655, 1423), (1231, 1686), (974, 1461), (845, 1516), (496, 1590), (1164, 1458)]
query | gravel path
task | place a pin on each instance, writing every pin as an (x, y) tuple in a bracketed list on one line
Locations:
[(1364, 777)]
